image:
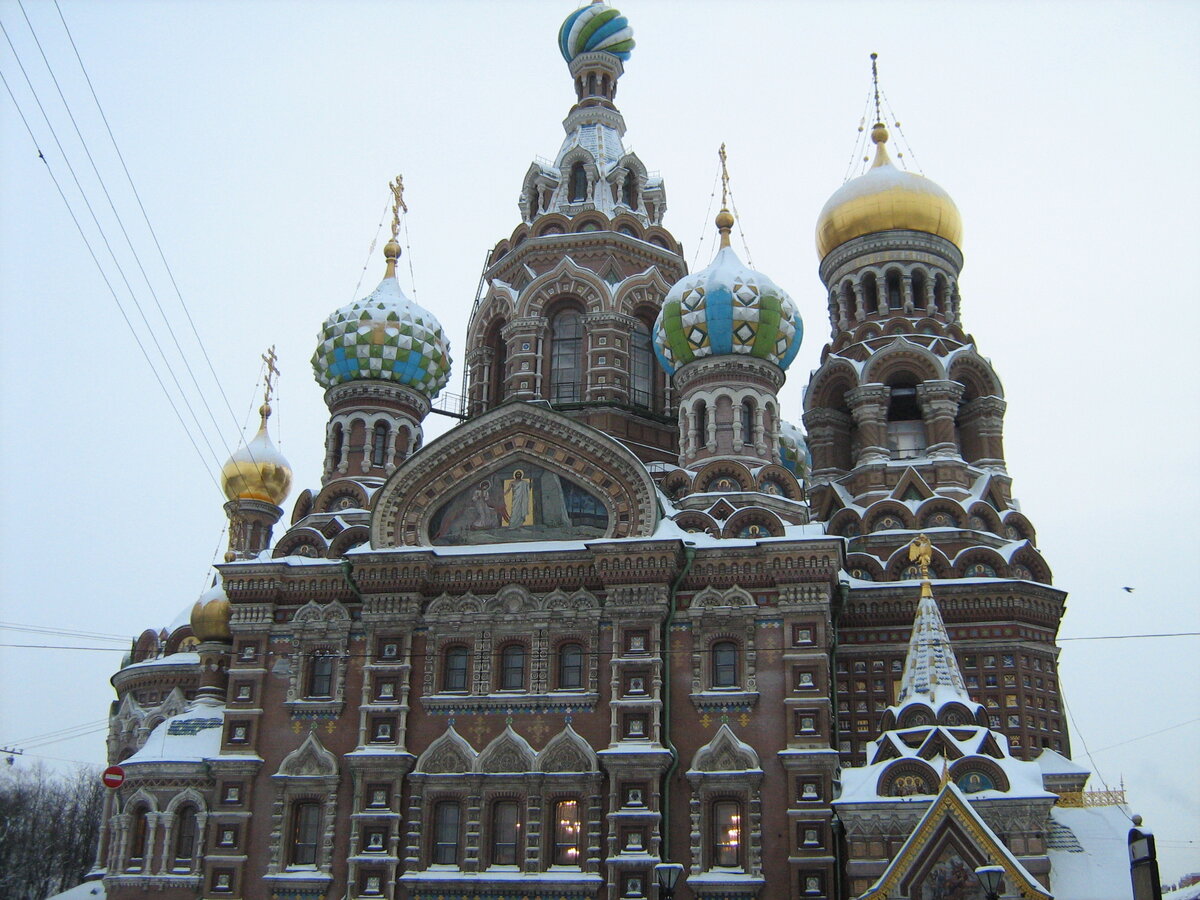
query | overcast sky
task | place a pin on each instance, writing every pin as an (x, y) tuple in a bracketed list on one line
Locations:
[(261, 137)]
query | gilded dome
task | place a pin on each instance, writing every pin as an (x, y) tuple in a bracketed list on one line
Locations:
[(727, 308), (885, 198), (595, 27), (383, 337), (210, 615), (257, 471)]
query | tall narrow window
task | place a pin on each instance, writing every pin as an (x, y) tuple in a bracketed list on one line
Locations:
[(335, 444), (641, 363), (379, 440), (185, 837), (499, 364), (570, 667), (137, 841), (724, 664), (566, 833), (512, 668), (895, 294), (727, 834), (306, 822), (534, 198), (320, 677), (920, 301), (566, 357), (905, 424), (446, 819), (700, 417), (506, 832), (454, 675), (747, 421), (629, 191), (577, 189), (870, 293)]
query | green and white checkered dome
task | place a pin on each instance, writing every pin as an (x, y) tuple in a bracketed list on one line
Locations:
[(383, 337)]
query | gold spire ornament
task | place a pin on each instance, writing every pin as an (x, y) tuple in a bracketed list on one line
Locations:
[(391, 250), (269, 358), (724, 217), (920, 551)]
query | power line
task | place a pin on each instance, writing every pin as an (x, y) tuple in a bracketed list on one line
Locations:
[(63, 632), (1149, 734)]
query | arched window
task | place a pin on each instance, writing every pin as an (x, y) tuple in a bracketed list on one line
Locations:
[(849, 302), (724, 664), (870, 293), (567, 827), (138, 834), (506, 831), (905, 424), (499, 365), (454, 671), (629, 191), (512, 668), (447, 817), (306, 823), (335, 443), (747, 421), (700, 419), (379, 439), (919, 282), (578, 185), (320, 677), (941, 298), (570, 667), (534, 202), (726, 835), (895, 293), (185, 837), (566, 357), (641, 365)]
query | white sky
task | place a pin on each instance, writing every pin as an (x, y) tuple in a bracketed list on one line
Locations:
[(261, 136)]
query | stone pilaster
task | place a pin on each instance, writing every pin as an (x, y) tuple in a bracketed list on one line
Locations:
[(939, 406), (869, 405)]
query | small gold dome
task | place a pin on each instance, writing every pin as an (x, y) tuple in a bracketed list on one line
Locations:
[(257, 471), (885, 199), (210, 615)]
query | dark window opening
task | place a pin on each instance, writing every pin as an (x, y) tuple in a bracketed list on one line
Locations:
[(577, 188), (379, 440), (747, 421), (629, 191), (641, 379), (454, 677), (512, 668), (506, 829), (320, 677), (724, 665), (446, 820), (570, 667), (306, 820), (566, 357)]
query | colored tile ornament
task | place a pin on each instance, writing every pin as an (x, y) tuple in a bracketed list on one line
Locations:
[(595, 27), (794, 454), (384, 337), (727, 308)]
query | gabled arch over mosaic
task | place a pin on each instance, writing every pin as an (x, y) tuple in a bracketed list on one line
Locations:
[(519, 472)]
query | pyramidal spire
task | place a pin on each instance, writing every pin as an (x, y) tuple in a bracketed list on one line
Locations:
[(931, 671)]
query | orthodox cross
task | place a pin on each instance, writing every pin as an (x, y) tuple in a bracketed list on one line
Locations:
[(272, 372), (397, 188), (875, 83), (724, 178)]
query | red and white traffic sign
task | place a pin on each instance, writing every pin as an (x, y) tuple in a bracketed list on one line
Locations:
[(113, 777)]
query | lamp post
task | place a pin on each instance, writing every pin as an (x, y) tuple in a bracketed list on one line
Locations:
[(1143, 861), (989, 879), (667, 875)]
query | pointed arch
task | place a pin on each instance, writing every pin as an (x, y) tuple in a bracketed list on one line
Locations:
[(729, 598), (567, 278), (449, 753), (902, 358), (507, 752), (725, 753), (567, 752), (309, 759)]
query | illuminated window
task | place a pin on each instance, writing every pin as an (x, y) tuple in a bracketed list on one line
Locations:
[(566, 833), (727, 834)]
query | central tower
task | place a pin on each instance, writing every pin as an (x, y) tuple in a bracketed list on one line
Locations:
[(570, 297)]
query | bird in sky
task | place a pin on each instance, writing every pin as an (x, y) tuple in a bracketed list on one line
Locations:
[(1127, 590)]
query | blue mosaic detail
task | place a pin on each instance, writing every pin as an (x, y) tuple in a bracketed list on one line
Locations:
[(192, 726)]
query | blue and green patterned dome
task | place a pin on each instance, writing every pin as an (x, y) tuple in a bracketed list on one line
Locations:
[(727, 308), (383, 337), (595, 27), (794, 454)]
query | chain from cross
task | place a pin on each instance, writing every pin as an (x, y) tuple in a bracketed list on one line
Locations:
[(272, 371), (724, 178), (397, 188)]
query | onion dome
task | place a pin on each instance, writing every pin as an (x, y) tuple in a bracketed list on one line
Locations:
[(210, 615), (793, 450), (727, 308), (384, 337), (595, 27), (885, 198), (257, 471)]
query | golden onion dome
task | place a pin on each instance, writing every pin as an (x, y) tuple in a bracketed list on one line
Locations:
[(257, 471), (885, 198), (210, 615)]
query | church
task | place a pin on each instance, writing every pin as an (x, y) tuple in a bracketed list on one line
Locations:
[(626, 623)]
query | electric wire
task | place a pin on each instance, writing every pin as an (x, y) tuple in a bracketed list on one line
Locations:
[(104, 276), (145, 216), (104, 237), (129, 241), (64, 632)]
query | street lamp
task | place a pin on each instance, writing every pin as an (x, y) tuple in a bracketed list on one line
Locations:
[(667, 876), (989, 879)]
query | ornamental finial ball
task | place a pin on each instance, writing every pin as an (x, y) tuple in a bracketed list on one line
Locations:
[(879, 134), (724, 219)]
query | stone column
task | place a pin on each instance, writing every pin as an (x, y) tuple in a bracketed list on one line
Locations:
[(524, 338), (825, 429), (906, 292), (869, 405), (939, 406)]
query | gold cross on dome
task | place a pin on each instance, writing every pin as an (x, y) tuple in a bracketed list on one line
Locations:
[(272, 371), (397, 188), (724, 177)]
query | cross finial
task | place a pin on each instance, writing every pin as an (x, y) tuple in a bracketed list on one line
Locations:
[(724, 177), (272, 372), (875, 84), (397, 187)]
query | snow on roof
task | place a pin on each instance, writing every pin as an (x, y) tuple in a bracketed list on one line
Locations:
[(931, 673), (1089, 854), (1191, 892), (88, 890), (1052, 762), (172, 659), (192, 736)]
